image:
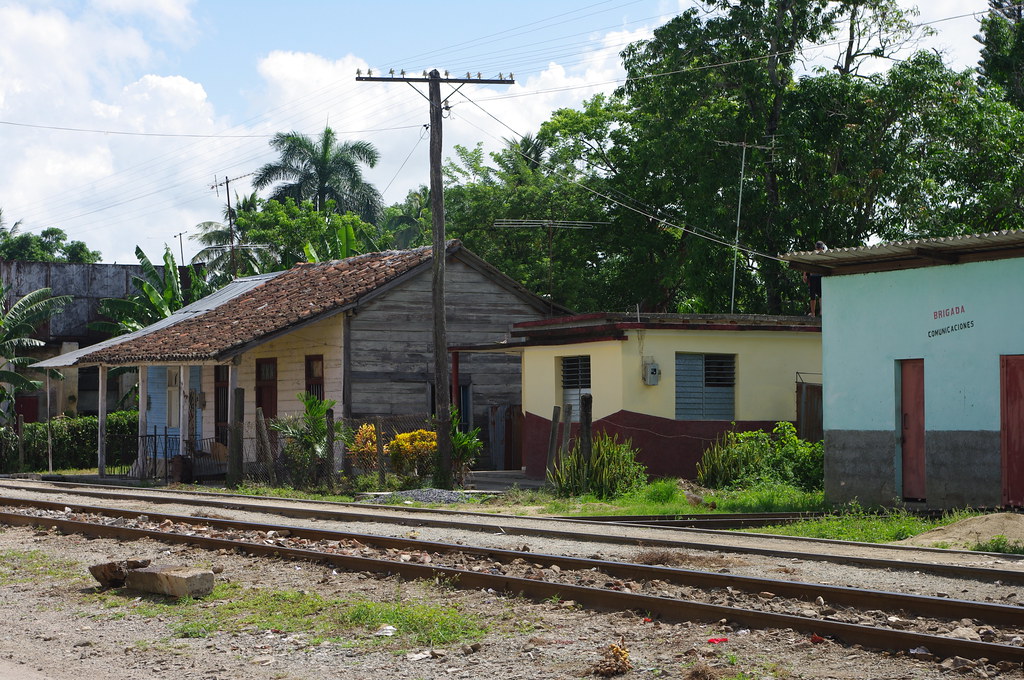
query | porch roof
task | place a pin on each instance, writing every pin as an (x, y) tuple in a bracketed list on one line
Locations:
[(254, 310)]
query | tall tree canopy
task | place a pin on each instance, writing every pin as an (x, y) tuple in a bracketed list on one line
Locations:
[(718, 94), (322, 170), (1002, 49), (49, 245)]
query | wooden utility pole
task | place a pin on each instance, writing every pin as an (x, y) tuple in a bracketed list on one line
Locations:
[(442, 396)]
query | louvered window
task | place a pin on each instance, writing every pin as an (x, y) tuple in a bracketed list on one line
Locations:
[(705, 386), (575, 381)]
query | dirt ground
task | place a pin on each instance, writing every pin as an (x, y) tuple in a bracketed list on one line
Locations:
[(57, 628), (969, 532)]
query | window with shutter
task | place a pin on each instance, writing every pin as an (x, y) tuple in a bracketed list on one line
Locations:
[(575, 381), (705, 386)]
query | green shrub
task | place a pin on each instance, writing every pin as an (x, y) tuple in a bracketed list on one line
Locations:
[(757, 457), (74, 441), (661, 491), (611, 471)]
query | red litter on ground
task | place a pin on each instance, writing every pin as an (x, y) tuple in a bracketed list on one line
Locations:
[(816, 639), (716, 641)]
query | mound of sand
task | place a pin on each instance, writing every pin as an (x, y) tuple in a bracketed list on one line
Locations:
[(969, 532)]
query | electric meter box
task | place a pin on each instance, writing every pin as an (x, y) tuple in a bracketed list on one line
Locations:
[(652, 372)]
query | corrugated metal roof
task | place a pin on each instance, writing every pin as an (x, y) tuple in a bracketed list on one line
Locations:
[(944, 249)]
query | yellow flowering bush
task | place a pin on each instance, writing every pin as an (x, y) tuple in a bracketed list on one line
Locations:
[(411, 452), (363, 450)]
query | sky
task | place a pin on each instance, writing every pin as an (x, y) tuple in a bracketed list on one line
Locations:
[(118, 117)]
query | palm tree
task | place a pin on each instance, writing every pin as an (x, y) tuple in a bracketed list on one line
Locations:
[(321, 170), (17, 325), (228, 252)]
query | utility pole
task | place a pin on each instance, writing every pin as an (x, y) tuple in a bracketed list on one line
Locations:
[(739, 209), (181, 245), (442, 380), (231, 216)]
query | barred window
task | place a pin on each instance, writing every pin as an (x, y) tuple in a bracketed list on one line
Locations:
[(575, 381)]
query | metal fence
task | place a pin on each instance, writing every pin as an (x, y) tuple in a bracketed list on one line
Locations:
[(360, 447)]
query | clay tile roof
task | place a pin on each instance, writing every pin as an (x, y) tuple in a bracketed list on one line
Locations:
[(301, 294)]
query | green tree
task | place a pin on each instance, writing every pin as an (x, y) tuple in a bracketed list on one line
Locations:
[(160, 295), (49, 245), (228, 251), (1002, 50), (322, 170), (285, 228), (404, 225), (17, 324)]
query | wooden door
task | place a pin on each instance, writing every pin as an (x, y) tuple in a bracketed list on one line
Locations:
[(1011, 428), (266, 387), (912, 428)]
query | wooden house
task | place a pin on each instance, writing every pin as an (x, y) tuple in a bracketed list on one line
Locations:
[(357, 331)]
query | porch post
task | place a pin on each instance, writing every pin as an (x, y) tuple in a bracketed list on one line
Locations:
[(101, 443), (141, 458), (183, 411)]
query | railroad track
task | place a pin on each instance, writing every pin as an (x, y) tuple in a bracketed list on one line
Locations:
[(562, 528), (410, 558)]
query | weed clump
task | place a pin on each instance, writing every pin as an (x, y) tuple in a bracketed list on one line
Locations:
[(747, 459)]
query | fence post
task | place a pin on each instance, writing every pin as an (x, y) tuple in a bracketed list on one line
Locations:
[(327, 464), (586, 418), (566, 428), (346, 456), (234, 473), (556, 412), (266, 457), (21, 443), (378, 427)]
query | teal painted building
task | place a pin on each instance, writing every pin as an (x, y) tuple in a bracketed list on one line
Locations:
[(923, 371)]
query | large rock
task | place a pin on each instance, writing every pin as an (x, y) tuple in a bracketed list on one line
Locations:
[(175, 581), (113, 574)]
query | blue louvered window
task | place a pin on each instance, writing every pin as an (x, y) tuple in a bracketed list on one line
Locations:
[(705, 386)]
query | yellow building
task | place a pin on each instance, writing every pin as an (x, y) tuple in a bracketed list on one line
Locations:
[(671, 383)]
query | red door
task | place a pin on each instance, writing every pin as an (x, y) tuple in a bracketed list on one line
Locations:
[(1011, 428), (266, 387), (912, 428)]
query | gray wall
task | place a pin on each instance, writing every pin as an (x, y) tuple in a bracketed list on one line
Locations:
[(88, 283), (962, 469)]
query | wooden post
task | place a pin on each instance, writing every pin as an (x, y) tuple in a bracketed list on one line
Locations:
[(183, 411), (566, 428), (141, 459), (378, 428), (101, 437), (586, 419), (556, 412), (21, 443), (439, 255), (327, 465), (263, 447), (234, 474), (49, 432)]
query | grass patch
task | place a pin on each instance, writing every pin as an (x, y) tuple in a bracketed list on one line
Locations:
[(21, 566), (1000, 544), (232, 609), (867, 527), (271, 491)]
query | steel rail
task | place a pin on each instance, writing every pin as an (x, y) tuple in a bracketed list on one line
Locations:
[(594, 598), (860, 598), (494, 525)]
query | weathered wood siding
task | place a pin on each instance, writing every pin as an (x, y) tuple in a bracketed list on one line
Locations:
[(392, 344)]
